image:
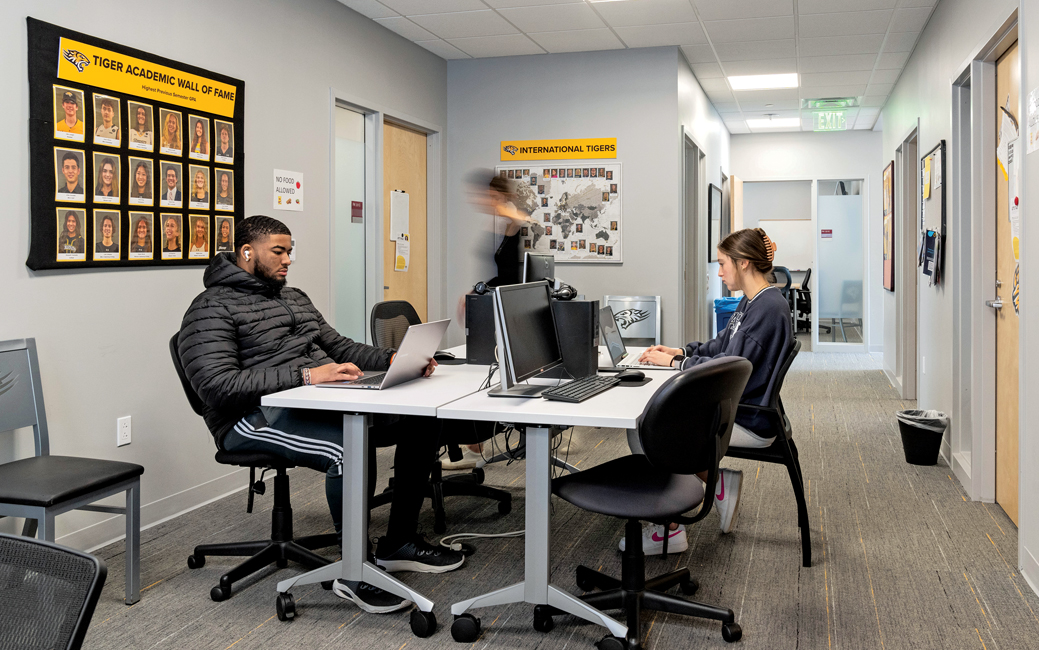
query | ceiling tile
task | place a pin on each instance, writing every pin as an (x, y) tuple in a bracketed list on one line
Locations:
[(500, 4), (773, 129), (707, 70), (720, 96), (767, 96), (583, 40), (838, 63), (900, 41), (831, 45), (879, 89), (874, 100), (779, 105), (910, 20), (805, 7), (554, 18), (849, 90), (756, 50), (775, 113), (646, 12), (658, 35), (892, 60), (370, 8), (737, 129), (443, 49), (714, 85), (765, 66), (699, 54), (917, 3), (727, 107), (414, 7), (845, 23), (885, 76), (466, 24), (869, 111), (406, 28), (729, 9), (834, 78), (487, 46), (750, 29)]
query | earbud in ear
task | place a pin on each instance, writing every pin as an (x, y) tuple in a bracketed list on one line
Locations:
[(245, 254)]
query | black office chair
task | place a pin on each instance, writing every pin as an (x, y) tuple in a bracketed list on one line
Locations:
[(685, 429), (49, 593), (281, 547), (782, 451), (389, 321), (803, 305)]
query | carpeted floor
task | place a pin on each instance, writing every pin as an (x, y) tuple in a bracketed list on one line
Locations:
[(902, 558)]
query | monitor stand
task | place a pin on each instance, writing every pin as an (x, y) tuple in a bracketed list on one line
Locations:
[(519, 390)]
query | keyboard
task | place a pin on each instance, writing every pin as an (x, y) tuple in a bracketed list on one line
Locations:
[(579, 390), (375, 379)]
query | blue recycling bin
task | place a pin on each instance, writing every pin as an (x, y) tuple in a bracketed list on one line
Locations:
[(723, 310)]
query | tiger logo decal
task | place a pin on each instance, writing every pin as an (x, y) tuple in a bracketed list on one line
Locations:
[(76, 58), (7, 382), (628, 317), (511, 149)]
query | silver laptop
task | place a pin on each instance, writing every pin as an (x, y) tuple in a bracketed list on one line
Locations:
[(619, 355), (419, 344)]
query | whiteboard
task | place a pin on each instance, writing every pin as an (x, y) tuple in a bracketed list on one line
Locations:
[(794, 241)]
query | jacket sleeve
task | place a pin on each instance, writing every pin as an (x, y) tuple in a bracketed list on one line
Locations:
[(740, 345), (709, 349), (208, 348), (344, 350)]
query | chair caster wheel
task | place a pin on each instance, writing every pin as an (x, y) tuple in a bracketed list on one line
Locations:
[(423, 624), (504, 507), (479, 475), (732, 632), (196, 561), (611, 643), (327, 585), (219, 593), (689, 587), (542, 619), (466, 628), (286, 606), (585, 580)]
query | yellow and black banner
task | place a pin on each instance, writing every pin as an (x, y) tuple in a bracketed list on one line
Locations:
[(573, 149)]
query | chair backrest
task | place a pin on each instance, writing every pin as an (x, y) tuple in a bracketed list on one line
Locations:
[(775, 386), (390, 320), (21, 392), (686, 426), (50, 593), (196, 402), (808, 277), (638, 318), (783, 279)]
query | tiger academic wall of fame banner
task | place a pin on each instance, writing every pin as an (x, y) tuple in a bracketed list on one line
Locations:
[(134, 159)]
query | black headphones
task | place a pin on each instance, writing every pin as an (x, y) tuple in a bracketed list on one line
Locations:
[(564, 292), (480, 288)]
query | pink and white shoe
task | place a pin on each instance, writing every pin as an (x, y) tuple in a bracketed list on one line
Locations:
[(727, 497), (653, 540)]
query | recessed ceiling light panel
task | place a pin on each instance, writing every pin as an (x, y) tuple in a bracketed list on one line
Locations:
[(764, 81)]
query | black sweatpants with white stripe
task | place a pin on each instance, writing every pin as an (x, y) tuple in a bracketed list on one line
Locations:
[(314, 439)]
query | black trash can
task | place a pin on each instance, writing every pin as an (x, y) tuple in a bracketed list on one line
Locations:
[(922, 433)]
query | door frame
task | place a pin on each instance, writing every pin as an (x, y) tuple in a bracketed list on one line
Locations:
[(697, 257), (904, 376), (375, 116)]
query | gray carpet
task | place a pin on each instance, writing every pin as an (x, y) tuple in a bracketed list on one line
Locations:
[(902, 559)]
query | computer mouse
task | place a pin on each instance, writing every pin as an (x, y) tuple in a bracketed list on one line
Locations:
[(441, 355), (631, 375)]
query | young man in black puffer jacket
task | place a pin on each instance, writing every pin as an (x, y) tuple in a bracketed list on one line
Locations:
[(249, 335)]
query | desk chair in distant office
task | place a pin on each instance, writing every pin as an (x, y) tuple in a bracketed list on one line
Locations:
[(803, 305), (281, 547), (684, 429), (782, 451), (783, 281), (43, 486), (49, 593), (389, 322)]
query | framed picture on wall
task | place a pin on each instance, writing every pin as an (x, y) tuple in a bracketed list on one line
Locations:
[(714, 225), (889, 226)]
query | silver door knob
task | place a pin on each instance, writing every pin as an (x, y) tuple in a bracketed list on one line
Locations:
[(995, 304)]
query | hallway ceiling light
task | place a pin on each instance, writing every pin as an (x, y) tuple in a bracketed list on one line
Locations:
[(780, 123), (764, 81)]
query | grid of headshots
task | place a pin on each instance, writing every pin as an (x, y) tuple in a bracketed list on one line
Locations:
[(133, 162)]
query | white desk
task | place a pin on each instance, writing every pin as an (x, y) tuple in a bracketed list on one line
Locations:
[(419, 397), (618, 407)]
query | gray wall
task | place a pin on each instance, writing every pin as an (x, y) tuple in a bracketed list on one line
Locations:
[(776, 200), (103, 335)]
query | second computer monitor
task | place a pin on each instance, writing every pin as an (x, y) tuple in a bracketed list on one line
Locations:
[(529, 329), (538, 266)]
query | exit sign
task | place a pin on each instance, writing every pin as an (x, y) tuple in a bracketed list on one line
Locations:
[(830, 121)]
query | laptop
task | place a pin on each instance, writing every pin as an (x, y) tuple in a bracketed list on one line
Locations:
[(419, 344), (619, 355)]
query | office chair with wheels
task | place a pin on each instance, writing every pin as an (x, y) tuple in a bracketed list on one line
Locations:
[(783, 281), (803, 305), (49, 593), (684, 429), (389, 321), (41, 487), (281, 547), (782, 451)]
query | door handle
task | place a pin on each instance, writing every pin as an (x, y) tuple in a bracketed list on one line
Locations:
[(995, 304)]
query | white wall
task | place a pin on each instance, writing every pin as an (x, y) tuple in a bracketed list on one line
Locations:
[(103, 335), (822, 156), (776, 200)]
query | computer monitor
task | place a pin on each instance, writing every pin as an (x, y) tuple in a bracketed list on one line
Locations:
[(538, 266), (526, 332)]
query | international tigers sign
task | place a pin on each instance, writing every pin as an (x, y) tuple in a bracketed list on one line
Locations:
[(576, 149)]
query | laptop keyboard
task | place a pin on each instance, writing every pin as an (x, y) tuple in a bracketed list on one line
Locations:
[(579, 390), (369, 381)]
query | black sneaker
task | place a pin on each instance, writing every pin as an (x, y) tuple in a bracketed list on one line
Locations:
[(421, 556), (369, 598)]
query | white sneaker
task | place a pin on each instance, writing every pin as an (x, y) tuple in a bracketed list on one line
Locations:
[(727, 498), (653, 540), (470, 460)]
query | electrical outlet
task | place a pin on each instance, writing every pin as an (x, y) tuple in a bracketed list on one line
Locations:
[(122, 431)]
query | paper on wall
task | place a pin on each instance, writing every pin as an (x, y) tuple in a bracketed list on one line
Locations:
[(927, 177), (936, 169), (400, 221), (402, 254), (1007, 132), (1014, 192), (1033, 120)]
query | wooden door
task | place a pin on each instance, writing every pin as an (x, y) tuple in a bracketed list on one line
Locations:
[(1008, 82), (404, 168)]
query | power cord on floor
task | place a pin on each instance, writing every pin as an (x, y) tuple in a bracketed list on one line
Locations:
[(457, 546)]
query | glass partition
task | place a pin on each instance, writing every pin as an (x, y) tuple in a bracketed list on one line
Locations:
[(348, 252), (840, 286)]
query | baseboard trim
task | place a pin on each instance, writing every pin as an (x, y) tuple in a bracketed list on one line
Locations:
[(961, 468), (1030, 569)]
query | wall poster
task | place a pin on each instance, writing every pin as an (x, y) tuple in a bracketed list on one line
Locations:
[(889, 226), (131, 155)]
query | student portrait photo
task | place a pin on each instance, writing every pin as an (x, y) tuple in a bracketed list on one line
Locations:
[(548, 217), (106, 120), (510, 174), (224, 189), (71, 240), (526, 172), (68, 175), (223, 148), (555, 173), (579, 227), (584, 172), (541, 189), (613, 225), (595, 172), (106, 183), (582, 245), (545, 173), (569, 173), (142, 232), (601, 249), (548, 230), (106, 234), (573, 245), (591, 247), (613, 188), (526, 244), (544, 201), (609, 174), (605, 196), (224, 234), (170, 142), (142, 134), (198, 237), (609, 251), (552, 244), (140, 181), (170, 195), (198, 138), (198, 187), (171, 244), (602, 172), (68, 114)]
